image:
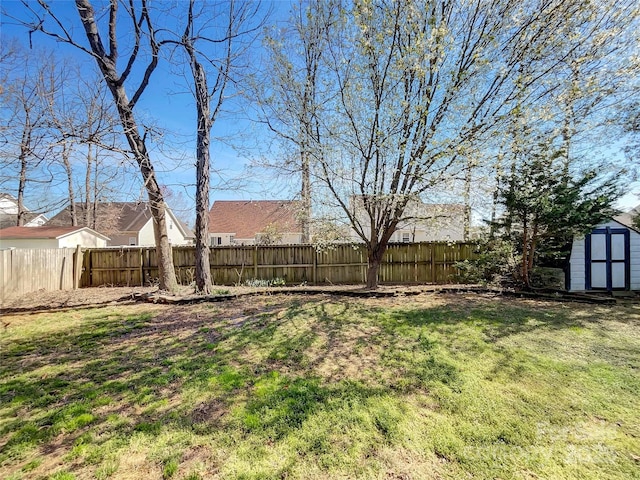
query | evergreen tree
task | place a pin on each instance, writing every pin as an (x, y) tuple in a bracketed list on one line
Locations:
[(545, 207)]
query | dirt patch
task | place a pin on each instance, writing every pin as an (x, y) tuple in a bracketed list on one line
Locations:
[(41, 299), (93, 296), (99, 296)]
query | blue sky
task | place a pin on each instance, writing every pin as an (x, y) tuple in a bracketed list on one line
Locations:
[(168, 102)]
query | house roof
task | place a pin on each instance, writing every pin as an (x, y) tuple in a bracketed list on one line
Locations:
[(246, 218), (47, 232), (116, 217), (11, 219), (627, 218)]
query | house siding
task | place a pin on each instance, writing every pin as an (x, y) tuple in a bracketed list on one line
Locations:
[(146, 237), (8, 206), (577, 259)]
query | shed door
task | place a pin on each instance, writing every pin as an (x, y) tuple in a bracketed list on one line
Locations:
[(607, 259)]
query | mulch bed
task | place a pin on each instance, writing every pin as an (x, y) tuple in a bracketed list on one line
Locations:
[(41, 301)]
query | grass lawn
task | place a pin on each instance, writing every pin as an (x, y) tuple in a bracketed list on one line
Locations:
[(276, 387)]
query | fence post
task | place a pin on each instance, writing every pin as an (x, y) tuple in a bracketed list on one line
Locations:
[(77, 267), (315, 265), (255, 262), (141, 268)]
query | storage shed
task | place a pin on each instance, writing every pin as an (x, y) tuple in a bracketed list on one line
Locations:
[(51, 237), (608, 258)]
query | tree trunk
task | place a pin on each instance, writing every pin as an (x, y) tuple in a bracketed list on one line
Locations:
[(106, 63), (375, 252), (525, 253), (166, 272), (25, 144), (94, 206), (305, 217), (203, 141), (467, 201), (71, 196), (203, 266), (22, 182), (87, 189), (372, 273), (532, 251)]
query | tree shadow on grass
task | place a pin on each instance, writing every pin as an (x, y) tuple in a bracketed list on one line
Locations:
[(496, 320), (125, 374)]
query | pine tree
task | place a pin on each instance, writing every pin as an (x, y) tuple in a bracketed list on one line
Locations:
[(545, 207)]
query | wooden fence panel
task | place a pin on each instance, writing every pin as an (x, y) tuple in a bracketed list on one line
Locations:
[(408, 263), (343, 264), (114, 266), (26, 270), (232, 265), (293, 264)]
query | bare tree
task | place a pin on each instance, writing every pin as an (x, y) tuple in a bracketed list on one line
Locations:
[(290, 95), (213, 44), (107, 59), (417, 89), (24, 132), (82, 125)]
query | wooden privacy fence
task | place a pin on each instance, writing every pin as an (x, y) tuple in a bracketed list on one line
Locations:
[(27, 270), (295, 264)]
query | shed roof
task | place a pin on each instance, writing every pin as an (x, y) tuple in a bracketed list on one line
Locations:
[(47, 232), (246, 218)]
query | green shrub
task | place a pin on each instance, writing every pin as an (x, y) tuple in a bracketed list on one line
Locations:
[(494, 259)]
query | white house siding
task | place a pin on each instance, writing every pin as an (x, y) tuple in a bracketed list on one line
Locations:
[(224, 239), (39, 221), (229, 239), (577, 259), (146, 237), (8, 206)]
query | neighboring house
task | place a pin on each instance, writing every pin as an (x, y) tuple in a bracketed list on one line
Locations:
[(608, 258), (425, 222), (248, 222), (126, 223), (9, 214), (51, 237)]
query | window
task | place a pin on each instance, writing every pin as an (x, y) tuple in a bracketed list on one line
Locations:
[(232, 239), (133, 241), (215, 241), (406, 237), (219, 240)]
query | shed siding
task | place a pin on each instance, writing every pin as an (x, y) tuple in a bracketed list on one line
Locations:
[(577, 261), (82, 238), (577, 270), (634, 243), (29, 243)]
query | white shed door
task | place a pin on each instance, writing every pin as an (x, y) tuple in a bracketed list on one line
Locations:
[(607, 261), (599, 260)]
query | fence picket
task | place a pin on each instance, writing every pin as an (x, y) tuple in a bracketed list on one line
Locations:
[(25, 270)]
